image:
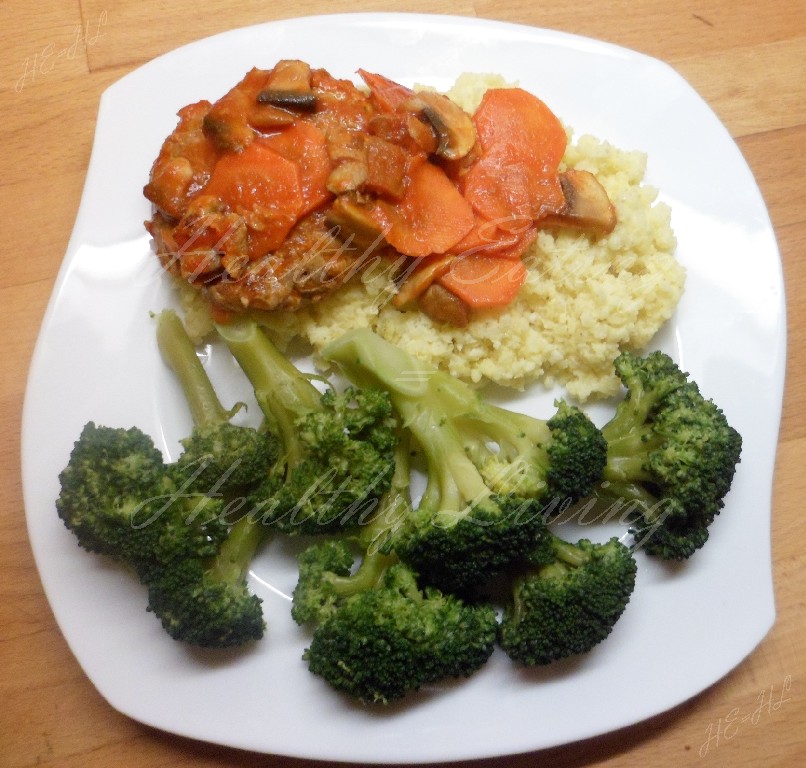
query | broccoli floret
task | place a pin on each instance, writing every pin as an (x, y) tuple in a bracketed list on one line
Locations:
[(337, 447), (206, 601), (378, 635), (558, 460), (200, 599), (112, 478), (567, 600), (121, 500), (391, 640), (671, 456), (170, 522), (492, 476), (325, 574)]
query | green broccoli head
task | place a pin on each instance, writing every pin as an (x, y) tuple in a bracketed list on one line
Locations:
[(337, 447), (384, 643), (119, 498), (227, 458), (558, 461), (577, 454), (198, 607), (322, 567), (672, 456), (460, 552), (113, 477), (197, 581), (567, 601), (377, 635), (345, 463)]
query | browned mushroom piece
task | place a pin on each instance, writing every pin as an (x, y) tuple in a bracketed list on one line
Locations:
[(350, 221), (267, 117), (442, 306), (456, 134), (587, 204), (415, 280), (289, 86), (422, 132)]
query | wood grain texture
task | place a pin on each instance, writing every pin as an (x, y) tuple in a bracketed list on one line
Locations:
[(746, 59)]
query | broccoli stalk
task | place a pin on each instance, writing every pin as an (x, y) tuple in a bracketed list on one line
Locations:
[(337, 448), (567, 600), (377, 634), (671, 456), (492, 477), (218, 456)]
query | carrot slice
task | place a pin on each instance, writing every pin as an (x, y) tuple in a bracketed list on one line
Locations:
[(516, 179), (484, 281), (387, 94), (488, 239), (431, 217), (304, 144), (262, 186)]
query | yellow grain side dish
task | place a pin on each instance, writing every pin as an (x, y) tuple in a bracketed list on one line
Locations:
[(586, 298)]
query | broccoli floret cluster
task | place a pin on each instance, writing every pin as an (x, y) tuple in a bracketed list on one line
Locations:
[(671, 455), (170, 522), (191, 529), (388, 641), (121, 499), (567, 599), (492, 475), (337, 447), (400, 593), (378, 633)]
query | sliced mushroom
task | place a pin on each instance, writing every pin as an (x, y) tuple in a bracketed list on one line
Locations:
[(442, 306), (419, 278), (455, 131), (289, 86), (422, 132), (226, 122), (587, 204), (267, 117)]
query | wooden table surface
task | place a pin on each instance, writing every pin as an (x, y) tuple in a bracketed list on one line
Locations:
[(748, 60)]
